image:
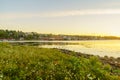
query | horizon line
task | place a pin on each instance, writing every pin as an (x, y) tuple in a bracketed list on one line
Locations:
[(75, 34)]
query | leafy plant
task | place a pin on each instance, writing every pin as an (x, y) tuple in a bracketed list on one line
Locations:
[(33, 63)]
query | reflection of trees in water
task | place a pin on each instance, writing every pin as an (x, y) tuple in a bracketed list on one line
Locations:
[(87, 45), (44, 43)]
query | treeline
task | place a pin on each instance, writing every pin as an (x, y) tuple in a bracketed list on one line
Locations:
[(19, 35)]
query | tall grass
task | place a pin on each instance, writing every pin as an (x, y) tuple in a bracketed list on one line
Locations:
[(33, 63)]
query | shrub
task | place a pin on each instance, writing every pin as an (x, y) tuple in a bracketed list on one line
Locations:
[(33, 63)]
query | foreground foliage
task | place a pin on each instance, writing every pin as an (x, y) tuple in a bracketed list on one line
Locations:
[(33, 63)]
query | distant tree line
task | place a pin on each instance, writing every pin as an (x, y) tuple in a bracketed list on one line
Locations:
[(19, 35)]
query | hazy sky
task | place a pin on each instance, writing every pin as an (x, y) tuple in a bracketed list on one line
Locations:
[(61, 16)]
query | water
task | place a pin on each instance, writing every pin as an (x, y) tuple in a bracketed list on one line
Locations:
[(102, 48)]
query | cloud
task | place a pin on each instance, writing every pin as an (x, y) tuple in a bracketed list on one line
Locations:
[(83, 12), (60, 13), (111, 4)]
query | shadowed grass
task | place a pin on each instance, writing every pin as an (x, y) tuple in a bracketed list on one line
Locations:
[(33, 63)]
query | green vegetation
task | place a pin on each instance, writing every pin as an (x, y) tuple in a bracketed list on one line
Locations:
[(19, 35), (33, 63)]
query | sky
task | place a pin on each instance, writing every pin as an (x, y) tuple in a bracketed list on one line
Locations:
[(81, 17)]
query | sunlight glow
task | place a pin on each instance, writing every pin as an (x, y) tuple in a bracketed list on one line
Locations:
[(115, 31), (60, 13)]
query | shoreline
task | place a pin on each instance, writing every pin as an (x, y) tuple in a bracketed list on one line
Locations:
[(114, 62)]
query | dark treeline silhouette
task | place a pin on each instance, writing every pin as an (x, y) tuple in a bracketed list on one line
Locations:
[(19, 35)]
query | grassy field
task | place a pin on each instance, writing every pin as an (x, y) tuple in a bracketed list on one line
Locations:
[(33, 63)]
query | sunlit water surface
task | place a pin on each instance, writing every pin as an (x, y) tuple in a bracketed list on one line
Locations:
[(97, 47)]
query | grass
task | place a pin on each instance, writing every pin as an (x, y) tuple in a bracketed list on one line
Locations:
[(33, 63)]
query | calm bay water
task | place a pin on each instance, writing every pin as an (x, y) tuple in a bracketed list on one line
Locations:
[(109, 48), (95, 47)]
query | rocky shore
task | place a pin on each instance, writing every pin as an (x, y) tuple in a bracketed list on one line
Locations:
[(113, 62)]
